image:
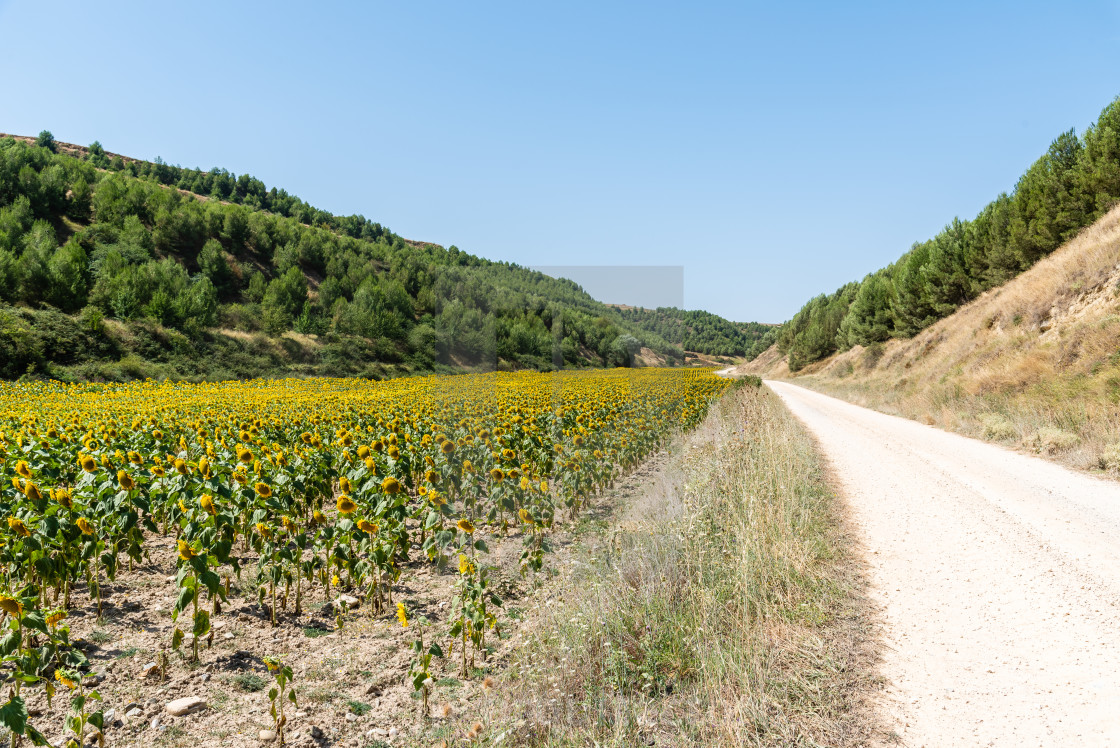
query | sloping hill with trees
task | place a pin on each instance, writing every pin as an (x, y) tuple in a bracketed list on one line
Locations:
[(115, 268), (702, 332), (1068, 188)]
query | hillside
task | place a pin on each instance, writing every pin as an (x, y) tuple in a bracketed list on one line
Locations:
[(701, 332), (1034, 363), (1067, 189), (116, 268)]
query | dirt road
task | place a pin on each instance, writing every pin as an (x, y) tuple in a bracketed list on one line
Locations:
[(999, 577)]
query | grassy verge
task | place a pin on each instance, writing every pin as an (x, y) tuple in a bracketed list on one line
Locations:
[(721, 609), (1068, 417)]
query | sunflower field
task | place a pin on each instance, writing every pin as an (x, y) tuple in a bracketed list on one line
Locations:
[(302, 488)]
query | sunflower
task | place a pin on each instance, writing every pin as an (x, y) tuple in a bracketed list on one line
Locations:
[(394, 452), (367, 527), (66, 678), (125, 481), (244, 454), (54, 617), (525, 516), (345, 505), (344, 484), (465, 525), (363, 452), (402, 615), (431, 476), (87, 463), (371, 466), (31, 491), (23, 469), (391, 485), (11, 606), (207, 502), (465, 565), (496, 475), (16, 525), (62, 496), (186, 553), (262, 528), (181, 466), (85, 526), (447, 447), (318, 518), (263, 490)]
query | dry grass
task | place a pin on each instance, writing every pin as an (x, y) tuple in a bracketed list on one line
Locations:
[(722, 610), (1034, 364)]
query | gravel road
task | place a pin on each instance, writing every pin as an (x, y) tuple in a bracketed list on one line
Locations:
[(998, 574)]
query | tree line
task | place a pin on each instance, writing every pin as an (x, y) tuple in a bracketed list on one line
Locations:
[(1068, 188)]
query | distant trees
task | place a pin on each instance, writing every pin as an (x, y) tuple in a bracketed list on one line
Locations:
[(697, 330), (1069, 187)]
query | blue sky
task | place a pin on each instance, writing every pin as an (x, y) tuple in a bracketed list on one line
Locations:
[(775, 151)]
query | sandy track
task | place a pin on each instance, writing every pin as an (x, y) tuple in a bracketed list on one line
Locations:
[(999, 578)]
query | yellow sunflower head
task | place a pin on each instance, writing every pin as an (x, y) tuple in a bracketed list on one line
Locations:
[(346, 505), (186, 553), (16, 525)]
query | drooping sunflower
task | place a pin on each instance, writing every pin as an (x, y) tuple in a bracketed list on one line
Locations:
[(367, 527), (207, 502), (465, 525), (186, 553), (125, 481), (66, 678), (402, 615), (11, 606), (85, 526), (23, 469), (16, 525)]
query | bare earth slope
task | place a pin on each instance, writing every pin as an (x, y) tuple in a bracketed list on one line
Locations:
[(999, 577)]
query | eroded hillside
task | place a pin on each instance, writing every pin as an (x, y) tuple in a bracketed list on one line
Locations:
[(1034, 363)]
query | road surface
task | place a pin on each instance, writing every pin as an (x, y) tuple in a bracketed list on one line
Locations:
[(998, 574)]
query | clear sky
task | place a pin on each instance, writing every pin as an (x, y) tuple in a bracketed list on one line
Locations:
[(774, 150)]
